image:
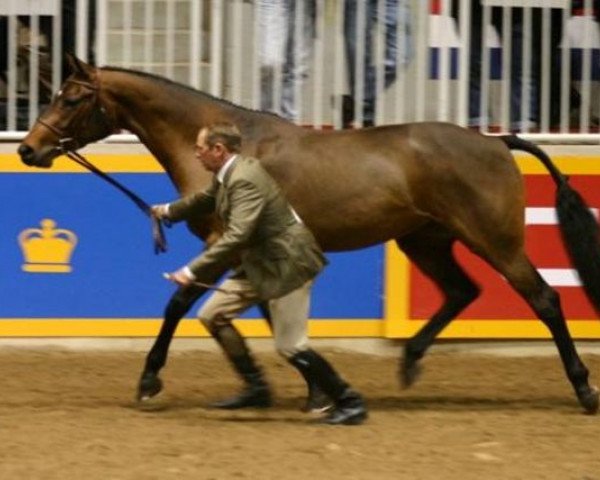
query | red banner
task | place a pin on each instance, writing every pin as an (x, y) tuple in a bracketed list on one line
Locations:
[(544, 247)]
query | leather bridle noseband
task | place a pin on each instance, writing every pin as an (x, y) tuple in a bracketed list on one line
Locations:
[(68, 145)]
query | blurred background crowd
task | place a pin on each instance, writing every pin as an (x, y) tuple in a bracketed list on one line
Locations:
[(529, 66)]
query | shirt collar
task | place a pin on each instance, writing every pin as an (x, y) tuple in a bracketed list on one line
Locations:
[(223, 170)]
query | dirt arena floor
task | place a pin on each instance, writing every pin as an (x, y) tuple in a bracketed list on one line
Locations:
[(71, 415)]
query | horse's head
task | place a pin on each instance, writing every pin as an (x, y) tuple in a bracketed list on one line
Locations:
[(75, 118)]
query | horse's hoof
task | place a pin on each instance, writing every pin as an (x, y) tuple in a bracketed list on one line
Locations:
[(150, 386), (410, 373), (590, 401)]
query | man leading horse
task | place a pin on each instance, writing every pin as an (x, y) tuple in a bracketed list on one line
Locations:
[(278, 260)]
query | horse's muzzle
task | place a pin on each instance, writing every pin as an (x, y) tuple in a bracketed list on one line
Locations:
[(32, 158), (27, 154)]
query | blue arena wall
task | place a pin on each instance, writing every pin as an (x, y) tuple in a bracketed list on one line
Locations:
[(114, 273)]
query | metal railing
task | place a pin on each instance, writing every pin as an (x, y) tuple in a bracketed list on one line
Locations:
[(527, 69)]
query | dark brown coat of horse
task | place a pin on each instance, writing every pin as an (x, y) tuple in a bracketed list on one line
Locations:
[(424, 185)]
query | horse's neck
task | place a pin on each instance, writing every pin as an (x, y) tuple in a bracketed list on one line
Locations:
[(146, 110), (167, 120)]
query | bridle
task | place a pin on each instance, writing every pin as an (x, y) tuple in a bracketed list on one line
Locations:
[(67, 145), (98, 112)]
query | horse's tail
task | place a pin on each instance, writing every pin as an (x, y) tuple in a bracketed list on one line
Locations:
[(578, 227)]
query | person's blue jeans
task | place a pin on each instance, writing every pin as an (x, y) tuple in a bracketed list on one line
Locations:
[(294, 53), (516, 80), (397, 19)]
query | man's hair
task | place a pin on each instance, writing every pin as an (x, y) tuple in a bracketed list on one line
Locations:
[(226, 133)]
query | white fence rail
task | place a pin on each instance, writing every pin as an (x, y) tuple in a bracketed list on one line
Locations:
[(479, 63)]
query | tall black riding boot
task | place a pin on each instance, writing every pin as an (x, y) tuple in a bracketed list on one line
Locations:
[(317, 401), (349, 407), (255, 393)]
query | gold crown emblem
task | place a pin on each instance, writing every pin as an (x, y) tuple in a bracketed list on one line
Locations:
[(47, 249)]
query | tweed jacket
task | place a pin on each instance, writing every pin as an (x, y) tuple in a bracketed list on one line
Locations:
[(278, 254)]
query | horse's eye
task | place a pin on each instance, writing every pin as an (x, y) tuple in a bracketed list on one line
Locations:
[(71, 102)]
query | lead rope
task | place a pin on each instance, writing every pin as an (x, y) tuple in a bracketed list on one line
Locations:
[(217, 288), (158, 234)]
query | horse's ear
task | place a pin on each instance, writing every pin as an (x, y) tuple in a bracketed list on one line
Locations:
[(78, 67)]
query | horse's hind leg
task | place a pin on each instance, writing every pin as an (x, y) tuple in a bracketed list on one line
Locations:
[(430, 249), (545, 302)]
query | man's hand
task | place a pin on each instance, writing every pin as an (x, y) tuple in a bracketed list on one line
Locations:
[(160, 211), (182, 277)]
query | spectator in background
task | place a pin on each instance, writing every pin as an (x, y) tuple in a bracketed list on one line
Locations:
[(3, 53), (397, 23), (283, 53), (581, 34), (23, 41), (519, 35), (286, 48), (44, 43)]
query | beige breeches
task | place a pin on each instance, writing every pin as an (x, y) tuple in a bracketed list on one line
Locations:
[(289, 314)]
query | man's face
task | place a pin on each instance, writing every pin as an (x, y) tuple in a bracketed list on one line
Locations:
[(211, 157)]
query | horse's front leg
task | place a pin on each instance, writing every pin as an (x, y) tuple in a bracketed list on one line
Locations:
[(179, 304)]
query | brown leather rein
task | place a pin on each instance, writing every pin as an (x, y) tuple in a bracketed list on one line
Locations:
[(68, 146)]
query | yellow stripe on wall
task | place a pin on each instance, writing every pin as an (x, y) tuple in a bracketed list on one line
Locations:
[(126, 327), (146, 163), (568, 164), (109, 163), (499, 329)]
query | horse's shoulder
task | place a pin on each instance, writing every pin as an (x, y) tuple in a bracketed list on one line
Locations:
[(248, 168)]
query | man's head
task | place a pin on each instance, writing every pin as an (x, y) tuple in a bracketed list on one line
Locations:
[(216, 143)]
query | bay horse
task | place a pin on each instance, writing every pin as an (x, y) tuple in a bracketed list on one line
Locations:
[(423, 185)]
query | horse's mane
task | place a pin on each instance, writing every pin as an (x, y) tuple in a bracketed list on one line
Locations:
[(192, 90)]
